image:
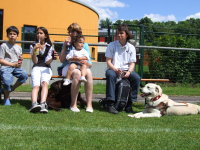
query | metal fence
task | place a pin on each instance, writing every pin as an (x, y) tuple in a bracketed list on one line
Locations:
[(179, 65), (176, 64)]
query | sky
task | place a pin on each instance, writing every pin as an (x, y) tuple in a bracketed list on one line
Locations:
[(157, 10)]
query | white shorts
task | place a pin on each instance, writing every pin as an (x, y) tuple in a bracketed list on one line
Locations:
[(40, 74)]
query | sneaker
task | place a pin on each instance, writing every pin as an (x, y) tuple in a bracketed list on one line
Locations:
[(90, 110), (83, 79), (35, 108), (67, 82), (111, 107), (74, 109), (44, 107), (7, 102)]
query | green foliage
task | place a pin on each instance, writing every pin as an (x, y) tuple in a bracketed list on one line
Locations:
[(178, 66), (172, 64), (105, 23)]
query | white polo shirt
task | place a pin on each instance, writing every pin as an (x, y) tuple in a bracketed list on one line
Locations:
[(121, 55)]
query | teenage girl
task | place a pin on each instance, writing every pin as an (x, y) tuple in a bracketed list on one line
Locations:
[(41, 54)]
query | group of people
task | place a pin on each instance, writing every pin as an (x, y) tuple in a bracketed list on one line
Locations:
[(76, 64)]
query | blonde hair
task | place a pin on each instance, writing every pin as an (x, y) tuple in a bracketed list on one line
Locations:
[(74, 27)]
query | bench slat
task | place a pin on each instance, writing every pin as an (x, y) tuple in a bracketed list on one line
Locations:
[(145, 80), (150, 80)]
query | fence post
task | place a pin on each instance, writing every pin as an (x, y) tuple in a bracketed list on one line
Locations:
[(141, 50), (109, 36)]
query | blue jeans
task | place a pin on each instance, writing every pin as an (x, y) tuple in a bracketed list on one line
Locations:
[(8, 74), (111, 77)]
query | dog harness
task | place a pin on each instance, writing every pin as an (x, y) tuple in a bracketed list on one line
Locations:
[(162, 107)]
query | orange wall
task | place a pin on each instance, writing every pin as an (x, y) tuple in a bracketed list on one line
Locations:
[(55, 15)]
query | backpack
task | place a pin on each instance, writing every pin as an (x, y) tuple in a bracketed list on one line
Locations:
[(122, 93)]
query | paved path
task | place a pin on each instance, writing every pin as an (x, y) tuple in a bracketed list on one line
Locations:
[(97, 97)]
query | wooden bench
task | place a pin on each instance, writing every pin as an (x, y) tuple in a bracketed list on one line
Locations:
[(100, 78), (97, 78), (144, 80)]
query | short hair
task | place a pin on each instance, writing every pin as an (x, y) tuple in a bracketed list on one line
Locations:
[(124, 27), (12, 29), (77, 38), (74, 27)]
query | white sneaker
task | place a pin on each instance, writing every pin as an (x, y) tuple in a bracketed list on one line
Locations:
[(67, 82), (83, 79), (74, 109), (90, 110), (35, 108), (44, 107)]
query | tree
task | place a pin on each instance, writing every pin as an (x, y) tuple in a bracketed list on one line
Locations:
[(105, 23)]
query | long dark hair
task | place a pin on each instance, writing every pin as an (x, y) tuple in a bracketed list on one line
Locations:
[(47, 39)]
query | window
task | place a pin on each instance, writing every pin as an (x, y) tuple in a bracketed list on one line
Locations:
[(28, 34), (1, 24)]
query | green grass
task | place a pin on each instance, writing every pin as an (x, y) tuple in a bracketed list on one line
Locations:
[(168, 88), (21, 130)]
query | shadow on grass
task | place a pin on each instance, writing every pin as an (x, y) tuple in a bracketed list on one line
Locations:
[(137, 107), (96, 105), (24, 103)]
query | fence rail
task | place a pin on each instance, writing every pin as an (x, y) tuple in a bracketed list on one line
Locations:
[(98, 44), (175, 64)]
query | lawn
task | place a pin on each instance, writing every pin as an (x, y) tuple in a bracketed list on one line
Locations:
[(63, 130), (168, 88)]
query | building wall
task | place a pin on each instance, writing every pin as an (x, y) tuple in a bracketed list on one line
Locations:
[(55, 15)]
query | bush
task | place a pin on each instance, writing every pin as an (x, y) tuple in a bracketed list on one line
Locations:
[(177, 65)]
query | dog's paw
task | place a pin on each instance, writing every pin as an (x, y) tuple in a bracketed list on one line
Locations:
[(134, 116)]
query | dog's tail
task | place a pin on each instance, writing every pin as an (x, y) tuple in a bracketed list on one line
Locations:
[(198, 109)]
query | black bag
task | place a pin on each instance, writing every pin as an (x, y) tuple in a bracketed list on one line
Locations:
[(122, 93)]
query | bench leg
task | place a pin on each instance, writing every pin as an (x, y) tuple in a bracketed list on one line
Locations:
[(0, 90)]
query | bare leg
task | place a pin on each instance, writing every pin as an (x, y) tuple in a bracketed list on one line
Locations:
[(6, 94), (75, 87), (89, 88), (83, 70), (34, 93), (70, 70), (17, 84), (44, 91)]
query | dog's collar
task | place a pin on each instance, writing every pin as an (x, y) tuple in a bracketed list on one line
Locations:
[(156, 98)]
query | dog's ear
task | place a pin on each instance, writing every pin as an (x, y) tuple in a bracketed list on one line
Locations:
[(158, 89)]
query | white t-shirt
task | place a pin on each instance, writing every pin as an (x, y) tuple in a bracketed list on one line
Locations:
[(121, 55), (77, 53), (10, 52)]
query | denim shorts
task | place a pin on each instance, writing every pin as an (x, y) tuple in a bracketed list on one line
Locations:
[(8, 74)]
